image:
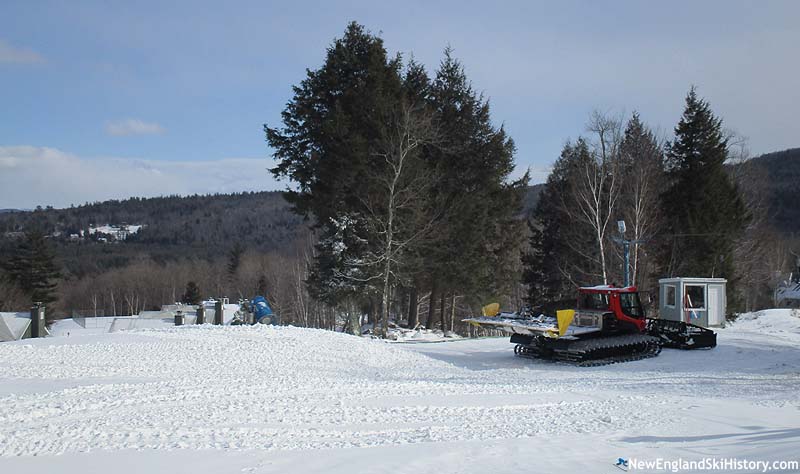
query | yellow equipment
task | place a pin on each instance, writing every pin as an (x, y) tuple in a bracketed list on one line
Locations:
[(491, 310)]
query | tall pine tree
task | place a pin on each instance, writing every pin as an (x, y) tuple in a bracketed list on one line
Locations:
[(331, 130), (478, 236), (192, 294), (447, 218), (32, 267), (704, 210)]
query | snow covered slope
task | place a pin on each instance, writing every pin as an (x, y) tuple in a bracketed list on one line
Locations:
[(281, 399)]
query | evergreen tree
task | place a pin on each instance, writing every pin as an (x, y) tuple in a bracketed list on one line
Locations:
[(261, 286), (459, 235), (331, 130), (416, 83), (705, 212), (33, 269), (564, 250), (478, 235), (534, 274), (557, 260), (425, 211), (234, 260), (192, 294)]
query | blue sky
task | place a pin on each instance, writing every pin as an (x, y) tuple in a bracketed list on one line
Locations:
[(117, 98)]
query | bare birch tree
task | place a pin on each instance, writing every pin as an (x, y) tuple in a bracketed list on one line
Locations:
[(641, 160), (593, 189), (392, 204), (392, 214)]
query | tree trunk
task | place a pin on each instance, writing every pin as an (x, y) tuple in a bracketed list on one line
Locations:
[(355, 318), (373, 314), (442, 312), (432, 305), (385, 302), (453, 311), (413, 302)]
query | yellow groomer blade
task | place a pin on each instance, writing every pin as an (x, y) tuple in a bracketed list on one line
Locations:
[(564, 317), (491, 310)]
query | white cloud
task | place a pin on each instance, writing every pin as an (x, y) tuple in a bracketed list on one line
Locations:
[(127, 127), (31, 176), (11, 54)]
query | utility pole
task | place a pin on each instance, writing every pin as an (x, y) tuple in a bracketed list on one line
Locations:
[(626, 252)]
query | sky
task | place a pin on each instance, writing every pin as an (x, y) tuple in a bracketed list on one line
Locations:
[(112, 99)]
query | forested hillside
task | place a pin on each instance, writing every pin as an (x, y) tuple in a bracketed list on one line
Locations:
[(782, 173), (173, 228)]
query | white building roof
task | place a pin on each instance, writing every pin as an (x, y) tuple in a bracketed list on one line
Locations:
[(692, 280), (13, 326)]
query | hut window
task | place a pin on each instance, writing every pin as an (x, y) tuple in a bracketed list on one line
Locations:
[(669, 298), (695, 296)]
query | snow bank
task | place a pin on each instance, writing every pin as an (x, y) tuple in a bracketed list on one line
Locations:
[(144, 320), (769, 321), (106, 324), (398, 334)]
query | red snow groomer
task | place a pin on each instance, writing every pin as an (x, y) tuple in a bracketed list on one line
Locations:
[(608, 326)]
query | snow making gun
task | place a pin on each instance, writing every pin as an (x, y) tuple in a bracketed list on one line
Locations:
[(262, 311)]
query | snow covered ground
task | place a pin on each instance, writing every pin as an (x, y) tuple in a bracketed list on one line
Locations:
[(265, 399), (399, 334)]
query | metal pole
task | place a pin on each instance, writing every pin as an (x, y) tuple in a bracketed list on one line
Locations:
[(218, 317), (626, 245), (35, 315), (201, 314)]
